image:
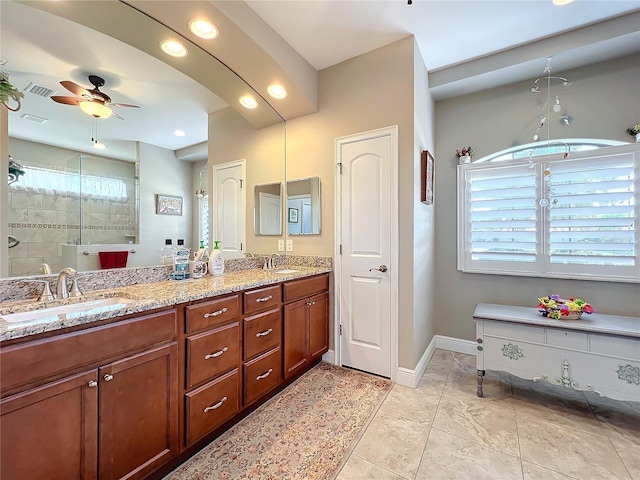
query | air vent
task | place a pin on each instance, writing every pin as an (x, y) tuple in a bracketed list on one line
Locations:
[(34, 118), (39, 90)]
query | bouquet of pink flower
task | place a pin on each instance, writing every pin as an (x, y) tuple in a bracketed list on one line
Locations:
[(464, 152)]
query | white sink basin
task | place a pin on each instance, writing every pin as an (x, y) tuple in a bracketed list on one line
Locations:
[(286, 270), (73, 310)]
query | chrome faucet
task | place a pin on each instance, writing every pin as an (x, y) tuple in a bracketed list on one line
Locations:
[(61, 284), (269, 263)]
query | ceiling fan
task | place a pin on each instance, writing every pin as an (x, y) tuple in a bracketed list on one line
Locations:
[(93, 102)]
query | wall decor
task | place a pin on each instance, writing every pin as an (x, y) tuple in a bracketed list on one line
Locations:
[(293, 215), (427, 177), (168, 205)]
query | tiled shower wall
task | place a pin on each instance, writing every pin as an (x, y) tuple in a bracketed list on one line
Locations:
[(42, 222)]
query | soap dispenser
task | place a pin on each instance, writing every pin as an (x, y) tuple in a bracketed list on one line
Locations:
[(216, 260)]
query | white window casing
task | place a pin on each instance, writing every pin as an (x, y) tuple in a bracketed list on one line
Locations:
[(574, 217)]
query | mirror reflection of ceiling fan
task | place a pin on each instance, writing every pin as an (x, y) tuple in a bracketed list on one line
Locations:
[(92, 102)]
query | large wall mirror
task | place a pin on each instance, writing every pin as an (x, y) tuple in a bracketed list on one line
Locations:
[(183, 127)]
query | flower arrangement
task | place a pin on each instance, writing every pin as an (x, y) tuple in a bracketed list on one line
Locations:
[(465, 152), (553, 306), (633, 131)]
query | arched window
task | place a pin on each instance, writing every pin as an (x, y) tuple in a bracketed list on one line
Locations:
[(536, 149), (538, 211)]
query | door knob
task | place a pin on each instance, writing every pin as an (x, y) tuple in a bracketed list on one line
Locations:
[(381, 268)]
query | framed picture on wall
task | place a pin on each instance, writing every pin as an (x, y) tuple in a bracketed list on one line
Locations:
[(293, 215), (168, 205), (427, 177)]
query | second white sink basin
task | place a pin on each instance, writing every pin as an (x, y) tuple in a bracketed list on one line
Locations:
[(72, 310), (286, 270)]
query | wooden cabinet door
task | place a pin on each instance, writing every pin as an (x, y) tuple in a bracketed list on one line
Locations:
[(296, 345), (50, 432), (138, 413), (318, 325)]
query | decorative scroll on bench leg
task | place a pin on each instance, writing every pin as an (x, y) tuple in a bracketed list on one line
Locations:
[(480, 378)]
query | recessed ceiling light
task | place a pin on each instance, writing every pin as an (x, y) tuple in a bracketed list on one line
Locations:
[(247, 101), (179, 133), (277, 91), (173, 48), (561, 2), (203, 29)]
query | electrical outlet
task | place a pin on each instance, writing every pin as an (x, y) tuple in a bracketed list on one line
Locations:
[(281, 245), (289, 245)]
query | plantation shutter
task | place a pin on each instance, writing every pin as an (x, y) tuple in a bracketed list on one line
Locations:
[(501, 217), (592, 215)]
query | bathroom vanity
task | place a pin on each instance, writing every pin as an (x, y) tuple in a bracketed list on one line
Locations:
[(123, 393), (599, 353)]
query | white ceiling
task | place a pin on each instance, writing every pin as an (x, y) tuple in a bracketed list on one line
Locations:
[(45, 49), (448, 32)]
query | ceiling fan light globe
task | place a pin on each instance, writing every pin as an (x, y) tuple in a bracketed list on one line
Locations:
[(95, 109)]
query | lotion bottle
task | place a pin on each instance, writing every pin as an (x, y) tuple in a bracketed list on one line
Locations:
[(216, 261)]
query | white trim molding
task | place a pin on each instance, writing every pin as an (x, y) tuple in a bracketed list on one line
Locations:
[(411, 378), (329, 357)]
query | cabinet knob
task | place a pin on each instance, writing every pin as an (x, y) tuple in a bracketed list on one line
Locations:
[(216, 405), (216, 354), (108, 377), (216, 313), (92, 384), (264, 375), (266, 332)]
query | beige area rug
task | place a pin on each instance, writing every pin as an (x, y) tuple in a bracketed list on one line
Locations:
[(302, 433)]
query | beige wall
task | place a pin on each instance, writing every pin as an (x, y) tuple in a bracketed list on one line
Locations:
[(603, 101), (372, 91), (232, 138)]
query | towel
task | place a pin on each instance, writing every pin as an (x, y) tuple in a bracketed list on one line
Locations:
[(113, 259)]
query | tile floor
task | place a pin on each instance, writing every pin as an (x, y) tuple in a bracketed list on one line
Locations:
[(519, 430)]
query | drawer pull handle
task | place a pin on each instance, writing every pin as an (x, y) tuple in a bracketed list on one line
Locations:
[(108, 377), (216, 313), (93, 384), (265, 299), (216, 354), (216, 405), (265, 333), (264, 375)]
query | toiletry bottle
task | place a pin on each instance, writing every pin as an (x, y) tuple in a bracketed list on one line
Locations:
[(198, 255), (166, 252), (181, 261), (216, 261)]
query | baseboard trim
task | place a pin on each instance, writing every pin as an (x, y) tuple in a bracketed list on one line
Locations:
[(411, 378), (329, 357)]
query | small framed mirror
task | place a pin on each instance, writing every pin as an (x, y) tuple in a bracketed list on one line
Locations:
[(303, 206), (267, 214)]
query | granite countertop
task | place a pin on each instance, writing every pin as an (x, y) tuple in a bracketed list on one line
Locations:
[(142, 297), (595, 322)]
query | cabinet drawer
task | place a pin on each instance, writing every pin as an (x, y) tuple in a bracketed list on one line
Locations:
[(262, 332), (305, 287), (29, 362), (212, 313), (262, 375), (615, 346), (209, 406), (262, 299), (514, 331), (212, 352), (567, 339)]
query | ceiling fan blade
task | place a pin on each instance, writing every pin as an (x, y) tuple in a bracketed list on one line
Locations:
[(75, 88), (116, 115), (123, 105), (66, 100)]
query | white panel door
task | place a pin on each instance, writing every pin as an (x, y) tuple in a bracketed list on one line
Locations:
[(270, 214), (365, 280), (229, 209)]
